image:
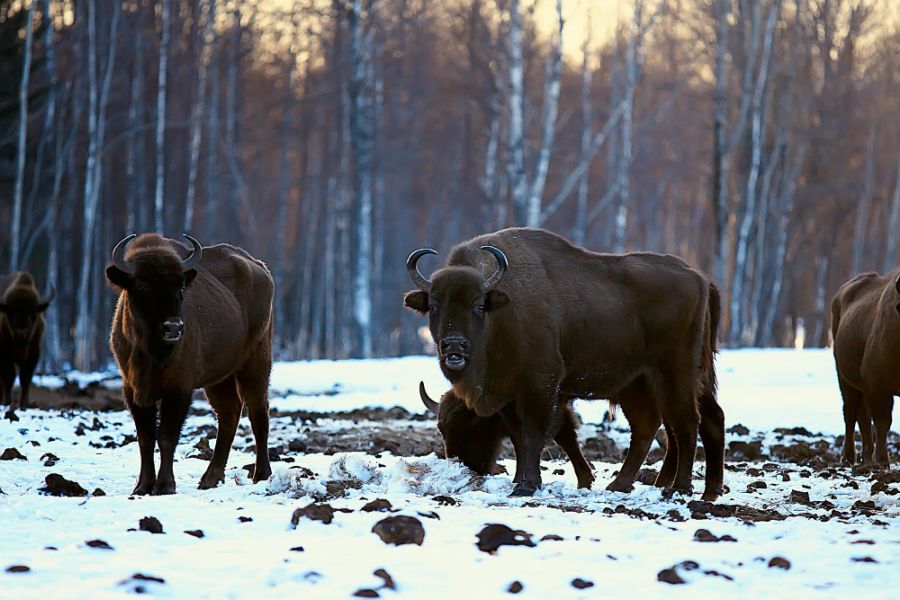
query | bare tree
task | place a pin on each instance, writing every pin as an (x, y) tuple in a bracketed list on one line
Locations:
[(16, 225), (861, 224), (579, 232), (548, 127), (162, 81), (893, 226), (515, 168), (208, 18)]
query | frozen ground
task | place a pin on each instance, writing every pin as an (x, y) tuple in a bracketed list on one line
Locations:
[(838, 530)]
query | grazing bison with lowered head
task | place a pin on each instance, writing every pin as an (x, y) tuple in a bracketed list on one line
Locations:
[(865, 326), (185, 321), (524, 322), (475, 440), (21, 332)]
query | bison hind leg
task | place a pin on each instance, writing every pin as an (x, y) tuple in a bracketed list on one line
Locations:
[(253, 385), (712, 434), (224, 399)]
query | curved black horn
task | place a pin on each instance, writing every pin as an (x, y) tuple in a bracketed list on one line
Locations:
[(502, 266), (49, 297), (191, 261), (430, 404), (413, 269), (897, 284), (118, 254)]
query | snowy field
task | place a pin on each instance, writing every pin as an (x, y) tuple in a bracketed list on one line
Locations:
[(793, 523)]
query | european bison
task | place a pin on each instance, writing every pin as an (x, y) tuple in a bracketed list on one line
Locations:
[(865, 326), (524, 322), (21, 332), (475, 440), (185, 322)]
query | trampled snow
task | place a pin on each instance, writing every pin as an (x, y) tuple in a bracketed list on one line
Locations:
[(618, 542)]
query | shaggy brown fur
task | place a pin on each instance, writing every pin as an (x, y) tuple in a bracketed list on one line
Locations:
[(225, 348), (475, 440), (21, 332), (567, 323), (865, 325)]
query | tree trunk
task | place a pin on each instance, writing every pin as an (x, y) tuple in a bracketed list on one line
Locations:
[(85, 325), (22, 140), (162, 80), (893, 227), (579, 232), (551, 106), (134, 169), (208, 20), (515, 168), (861, 226), (361, 134), (720, 154)]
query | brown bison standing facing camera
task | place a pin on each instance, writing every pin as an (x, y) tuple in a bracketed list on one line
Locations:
[(185, 322), (552, 322), (865, 325), (21, 332)]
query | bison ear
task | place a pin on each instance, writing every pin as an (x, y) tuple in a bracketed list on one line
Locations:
[(416, 300), (495, 299), (118, 277), (3, 308), (42, 306), (189, 276)]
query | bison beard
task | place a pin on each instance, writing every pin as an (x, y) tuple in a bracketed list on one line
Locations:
[(21, 333), (524, 322), (865, 327), (182, 324)]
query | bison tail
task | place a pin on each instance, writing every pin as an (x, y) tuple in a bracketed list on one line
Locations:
[(711, 330)]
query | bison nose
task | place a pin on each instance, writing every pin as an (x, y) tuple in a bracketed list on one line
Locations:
[(455, 352), (172, 329)]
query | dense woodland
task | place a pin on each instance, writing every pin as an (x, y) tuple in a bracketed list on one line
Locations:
[(759, 139)]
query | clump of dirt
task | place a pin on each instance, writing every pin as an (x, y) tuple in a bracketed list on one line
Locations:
[(150, 524), (316, 512), (378, 505), (496, 534), (57, 485), (400, 530)]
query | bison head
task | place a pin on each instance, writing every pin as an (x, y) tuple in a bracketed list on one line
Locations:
[(474, 440), (458, 301), (22, 307), (155, 281)]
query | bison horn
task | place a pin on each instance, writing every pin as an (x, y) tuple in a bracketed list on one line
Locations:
[(413, 269), (502, 266), (50, 296), (430, 404), (191, 261), (118, 255)]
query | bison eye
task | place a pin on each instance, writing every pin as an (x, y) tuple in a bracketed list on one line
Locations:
[(143, 288), (433, 308), (479, 309)]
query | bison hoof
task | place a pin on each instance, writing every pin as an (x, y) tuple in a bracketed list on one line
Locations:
[(261, 473), (712, 495), (164, 489), (620, 486), (210, 480), (586, 483), (11, 416), (143, 489), (677, 491), (522, 490)]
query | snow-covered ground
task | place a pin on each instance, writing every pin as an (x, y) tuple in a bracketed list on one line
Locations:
[(838, 534)]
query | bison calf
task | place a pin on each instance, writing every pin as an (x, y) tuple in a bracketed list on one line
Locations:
[(21, 332), (475, 440), (524, 319), (186, 322), (865, 325)]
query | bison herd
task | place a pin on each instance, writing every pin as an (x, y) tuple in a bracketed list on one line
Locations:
[(523, 321)]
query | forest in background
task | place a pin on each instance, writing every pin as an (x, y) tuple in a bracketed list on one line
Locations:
[(758, 139)]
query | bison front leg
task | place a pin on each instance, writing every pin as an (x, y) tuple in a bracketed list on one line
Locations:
[(26, 373), (852, 404), (538, 418), (514, 429), (644, 421), (172, 413), (145, 425), (881, 407), (226, 403)]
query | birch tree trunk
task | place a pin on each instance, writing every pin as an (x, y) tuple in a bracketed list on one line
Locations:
[(579, 232), (134, 171), (361, 134), (861, 225), (208, 16), (893, 227), (84, 327), (53, 349), (720, 154), (750, 210), (22, 140), (518, 182), (551, 106), (623, 175), (162, 81), (210, 213)]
